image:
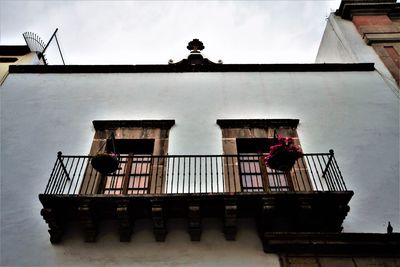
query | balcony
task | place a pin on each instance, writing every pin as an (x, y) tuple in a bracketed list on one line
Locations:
[(311, 197)]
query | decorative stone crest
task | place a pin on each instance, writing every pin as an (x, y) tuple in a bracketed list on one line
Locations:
[(195, 58), (195, 45)]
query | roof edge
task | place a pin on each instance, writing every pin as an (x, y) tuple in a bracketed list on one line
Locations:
[(301, 67), (14, 50)]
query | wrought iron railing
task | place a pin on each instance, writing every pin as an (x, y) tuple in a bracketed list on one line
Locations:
[(193, 174)]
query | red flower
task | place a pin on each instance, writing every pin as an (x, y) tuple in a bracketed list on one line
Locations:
[(283, 155)]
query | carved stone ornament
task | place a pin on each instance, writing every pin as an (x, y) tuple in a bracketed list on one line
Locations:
[(195, 45)]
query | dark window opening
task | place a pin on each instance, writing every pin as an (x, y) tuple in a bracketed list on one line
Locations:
[(131, 146)]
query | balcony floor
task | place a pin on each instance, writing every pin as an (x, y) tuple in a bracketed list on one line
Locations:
[(273, 212)]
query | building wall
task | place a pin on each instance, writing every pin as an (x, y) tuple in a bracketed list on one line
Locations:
[(343, 43), (355, 113), (28, 59)]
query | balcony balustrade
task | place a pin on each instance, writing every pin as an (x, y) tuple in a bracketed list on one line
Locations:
[(196, 174), (311, 196)]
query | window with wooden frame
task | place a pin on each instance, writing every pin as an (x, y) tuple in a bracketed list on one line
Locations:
[(134, 170), (251, 139), (135, 143), (255, 176)]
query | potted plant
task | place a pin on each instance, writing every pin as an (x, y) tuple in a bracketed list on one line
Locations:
[(283, 154), (105, 163)]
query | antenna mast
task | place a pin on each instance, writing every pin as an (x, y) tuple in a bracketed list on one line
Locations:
[(36, 44)]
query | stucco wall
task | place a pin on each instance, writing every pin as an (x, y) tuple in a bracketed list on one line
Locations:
[(355, 113), (28, 59), (342, 43)]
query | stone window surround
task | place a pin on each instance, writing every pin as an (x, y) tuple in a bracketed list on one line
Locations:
[(256, 128), (158, 130)]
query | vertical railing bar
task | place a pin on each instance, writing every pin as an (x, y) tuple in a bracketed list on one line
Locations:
[(301, 174), (64, 181), (321, 168), (254, 183), (189, 168), (90, 178), (140, 160), (328, 173), (328, 182), (259, 175), (339, 173), (312, 173), (217, 174), (157, 159), (234, 175), (201, 159), (228, 174), (142, 164), (333, 174), (79, 174), (206, 174), (64, 173), (63, 165), (184, 175), (119, 174), (172, 174), (277, 176), (177, 184), (316, 170), (68, 177), (324, 173), (336, 176), (167, 182), (327, 164), (277, 179), (94, 183), (51, 176), (60, 175), (149, 178), (195, 175), (212, 175), (59, 182), (157, 175), (56, 177), (251, 175), (113, 178), (222, 173), (163, 179), (296, 179), (73, 175)]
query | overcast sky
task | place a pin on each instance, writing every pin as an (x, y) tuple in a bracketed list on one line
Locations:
[(152, 32)]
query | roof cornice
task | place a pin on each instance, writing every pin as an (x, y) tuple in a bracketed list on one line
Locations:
[(14, 50), (350, 8), (312, 67)]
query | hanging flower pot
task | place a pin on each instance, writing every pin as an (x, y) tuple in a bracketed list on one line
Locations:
[(283, 155), (105, 163)]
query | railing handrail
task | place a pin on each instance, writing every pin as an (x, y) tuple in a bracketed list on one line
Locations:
[(185, 155)]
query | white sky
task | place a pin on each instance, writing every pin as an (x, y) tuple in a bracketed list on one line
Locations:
[(152, 32)]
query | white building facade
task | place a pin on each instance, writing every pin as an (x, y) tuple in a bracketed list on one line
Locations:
[(203, 110)]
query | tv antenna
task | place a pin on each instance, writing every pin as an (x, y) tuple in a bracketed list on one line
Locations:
[(36, 44)]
